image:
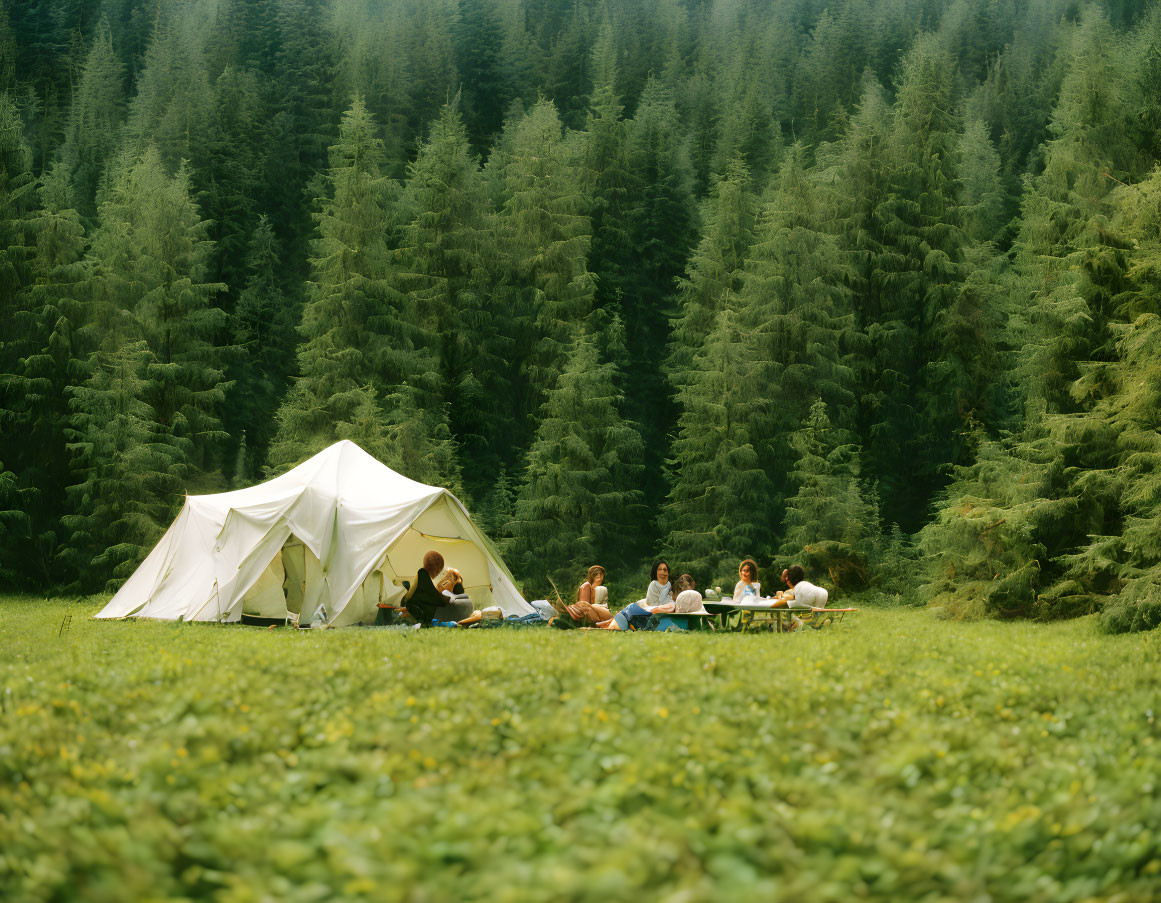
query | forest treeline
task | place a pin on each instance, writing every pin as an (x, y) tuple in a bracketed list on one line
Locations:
[(871, 283)]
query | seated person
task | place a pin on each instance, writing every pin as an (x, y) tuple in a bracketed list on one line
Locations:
[(802, 593), (592, 597), (688, 601), (658, 599), (748, 589), (425, 602)]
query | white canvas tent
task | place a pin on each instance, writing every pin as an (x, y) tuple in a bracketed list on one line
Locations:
[(331, 538)]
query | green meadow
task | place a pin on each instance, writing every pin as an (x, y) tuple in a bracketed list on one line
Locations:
[(895, 756)]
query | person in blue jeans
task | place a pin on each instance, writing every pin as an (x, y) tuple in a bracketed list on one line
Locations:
[(658, 598)]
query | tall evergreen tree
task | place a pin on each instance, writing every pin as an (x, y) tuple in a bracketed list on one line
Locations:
[(795, 300), (172, 106), (580, 488), (130, 470), (717, 511), (477, 40), (608, 180), (716, 267), (262, 327), (52, 364), (546, 236), (151, 256), (359, 364), (445, 252), (827, 504), (661, 234), (95, 118)]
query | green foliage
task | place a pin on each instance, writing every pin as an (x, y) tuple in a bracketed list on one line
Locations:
[(95, 118), (362, 362), (545, 236), (828, 502), (263, 329), (581, 488), (717, 511), (150, 257), (185, 744), (715, 268), (446, 257), (129, 466)]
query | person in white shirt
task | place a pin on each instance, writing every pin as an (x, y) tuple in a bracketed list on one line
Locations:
[(688, 601), (802, 593), (748, 589), (658, 598)]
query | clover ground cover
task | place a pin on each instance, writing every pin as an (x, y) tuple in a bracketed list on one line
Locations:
[(893, 757)]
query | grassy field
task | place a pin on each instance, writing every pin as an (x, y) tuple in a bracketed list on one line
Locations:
[(898, 757)]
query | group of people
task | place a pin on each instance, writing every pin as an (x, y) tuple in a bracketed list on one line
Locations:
[(681, 597), (437, 596)]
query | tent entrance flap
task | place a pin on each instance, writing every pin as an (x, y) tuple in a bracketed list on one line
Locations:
[(285, 584), (437, 529)]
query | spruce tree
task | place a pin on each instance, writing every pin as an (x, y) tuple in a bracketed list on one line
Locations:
[(262, 327), (716, 267), (983, 188), (172, 106), (445, 256), (580, 490), (129, 470), (358, 363), (661, 234), (150, 256), (95, 118), (794, 298), (477, 40), (718, 509), (608, 180), (827, 504), (53, 362), (545, 237)]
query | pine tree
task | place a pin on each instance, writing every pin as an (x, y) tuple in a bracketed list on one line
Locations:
[(359, 365), (172, 106), (795, 300), (828, 503), (718, 507), (351, 323), (150, 256), (18, 337), (129, 468), (17, 199), (580, 489), (477, 40), (52, 364), (445, 255), (661, 234), (716, 267), (262, 327), (95, 118), (608, 180), (983, 188), (227, 164), (1063, 252), (545, 237)]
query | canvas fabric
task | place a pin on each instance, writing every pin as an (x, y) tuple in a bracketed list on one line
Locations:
[(325, 542)]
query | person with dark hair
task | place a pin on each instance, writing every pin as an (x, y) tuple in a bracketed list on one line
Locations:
[(748, 589), (591, 598), (426, 602), (658, 598), (801, 593)]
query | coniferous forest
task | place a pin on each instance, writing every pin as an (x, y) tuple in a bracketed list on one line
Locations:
[(874, 284)]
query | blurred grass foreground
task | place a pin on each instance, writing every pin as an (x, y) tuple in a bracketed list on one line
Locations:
[(894, 757)]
